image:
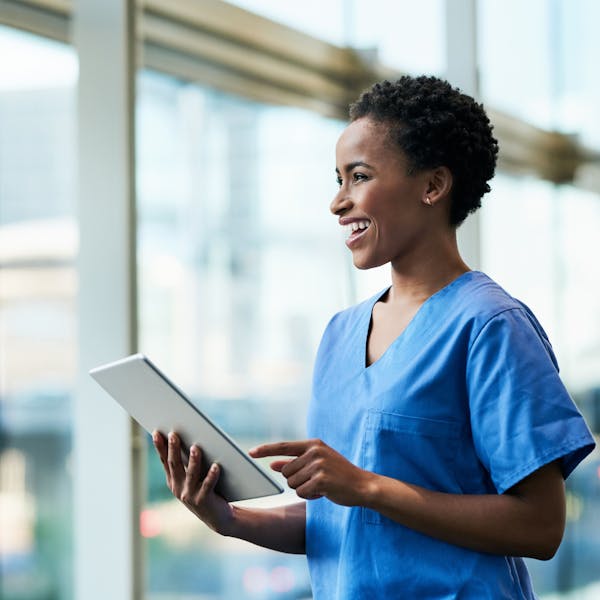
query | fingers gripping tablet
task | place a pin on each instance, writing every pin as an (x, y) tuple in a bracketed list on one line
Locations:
[(156, 403)]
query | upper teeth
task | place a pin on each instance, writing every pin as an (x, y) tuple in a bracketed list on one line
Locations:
[(356, 225)]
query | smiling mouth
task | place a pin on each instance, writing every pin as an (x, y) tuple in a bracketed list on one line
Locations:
[(356, 228), (355, 231)]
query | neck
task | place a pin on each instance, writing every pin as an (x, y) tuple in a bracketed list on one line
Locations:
[(430, 268)]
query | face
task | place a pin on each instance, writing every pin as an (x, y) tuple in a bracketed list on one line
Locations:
[(379, 203)]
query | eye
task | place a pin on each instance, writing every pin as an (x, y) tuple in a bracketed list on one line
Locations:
[(338, 180), (359, 177)]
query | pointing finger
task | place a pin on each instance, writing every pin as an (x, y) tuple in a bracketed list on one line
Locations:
[(280, 449)]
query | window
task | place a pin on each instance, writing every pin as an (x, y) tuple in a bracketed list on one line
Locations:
[(38, 243), (546, 78), (241, 266), (394, 29), (548, 265)]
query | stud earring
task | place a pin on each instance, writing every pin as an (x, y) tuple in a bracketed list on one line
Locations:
[(428, 201)]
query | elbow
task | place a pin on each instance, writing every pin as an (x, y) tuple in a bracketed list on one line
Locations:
[(547, 546), (545, 553), (551, 548), (542, 514)]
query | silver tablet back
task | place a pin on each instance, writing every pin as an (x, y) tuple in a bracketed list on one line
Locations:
[(156, 403)]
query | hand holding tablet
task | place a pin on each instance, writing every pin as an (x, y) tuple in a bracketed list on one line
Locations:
[(158, 405), (194, 484)]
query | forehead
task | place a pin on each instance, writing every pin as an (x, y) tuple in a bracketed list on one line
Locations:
[(368, 141)]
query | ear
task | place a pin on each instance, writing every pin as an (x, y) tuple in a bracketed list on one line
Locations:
[(439, 185)]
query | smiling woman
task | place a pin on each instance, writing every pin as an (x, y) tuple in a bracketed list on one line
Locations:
[(241, 267), (440, 430), (420, 374)]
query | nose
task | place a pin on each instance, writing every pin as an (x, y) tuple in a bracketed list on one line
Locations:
[(341, 202)]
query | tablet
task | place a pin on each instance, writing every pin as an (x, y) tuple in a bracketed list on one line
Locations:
[(155, 402)]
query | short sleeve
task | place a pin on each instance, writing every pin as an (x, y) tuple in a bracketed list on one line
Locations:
[(522, 417)]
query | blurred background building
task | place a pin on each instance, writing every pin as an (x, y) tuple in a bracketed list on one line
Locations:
[(236, 261)]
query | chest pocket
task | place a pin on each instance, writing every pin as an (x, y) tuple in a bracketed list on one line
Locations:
[(412, 449)]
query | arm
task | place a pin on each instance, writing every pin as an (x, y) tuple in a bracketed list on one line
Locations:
[(280, 528), (528, 520)]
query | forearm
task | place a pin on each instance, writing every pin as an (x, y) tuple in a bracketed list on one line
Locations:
[(527, 520), (508, 524), (281, 528)]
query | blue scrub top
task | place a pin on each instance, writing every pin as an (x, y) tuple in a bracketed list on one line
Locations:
[(467, 400)]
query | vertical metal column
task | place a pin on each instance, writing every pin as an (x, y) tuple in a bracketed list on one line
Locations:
[(106, 545), (462, 72)]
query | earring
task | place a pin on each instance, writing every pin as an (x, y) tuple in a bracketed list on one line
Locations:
[(428, 201)]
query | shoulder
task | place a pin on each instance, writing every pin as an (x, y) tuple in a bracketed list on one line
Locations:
[(495, 313), (482, 298)]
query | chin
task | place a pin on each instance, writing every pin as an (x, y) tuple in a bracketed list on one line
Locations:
[(366, 264)]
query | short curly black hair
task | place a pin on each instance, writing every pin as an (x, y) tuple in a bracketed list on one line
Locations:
[(436, 125)]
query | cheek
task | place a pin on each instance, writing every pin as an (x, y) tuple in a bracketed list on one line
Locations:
[(397, 225)]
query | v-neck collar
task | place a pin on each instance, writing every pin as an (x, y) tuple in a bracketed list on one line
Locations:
[(416, 317)]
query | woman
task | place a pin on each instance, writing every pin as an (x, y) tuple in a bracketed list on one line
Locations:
[(441, 432)]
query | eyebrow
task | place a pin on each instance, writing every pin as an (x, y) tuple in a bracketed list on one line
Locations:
[(353, 165)]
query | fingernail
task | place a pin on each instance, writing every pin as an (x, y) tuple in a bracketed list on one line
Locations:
[(171, 438), (193, 451), (252, 450), (214, 468)]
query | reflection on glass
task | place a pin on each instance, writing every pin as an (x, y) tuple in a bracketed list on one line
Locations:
[(547, 263), (37, 315), (241, 265)]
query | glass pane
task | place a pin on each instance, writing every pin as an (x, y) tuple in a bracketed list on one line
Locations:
[(323, 20), (516, 72), (408, 36), (578, 85), (241, 265), (533, 62), (527, 270), (38, 244), (393, 29), (549, 264)]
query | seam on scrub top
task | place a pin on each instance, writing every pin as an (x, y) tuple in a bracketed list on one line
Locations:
[(488, 321)]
